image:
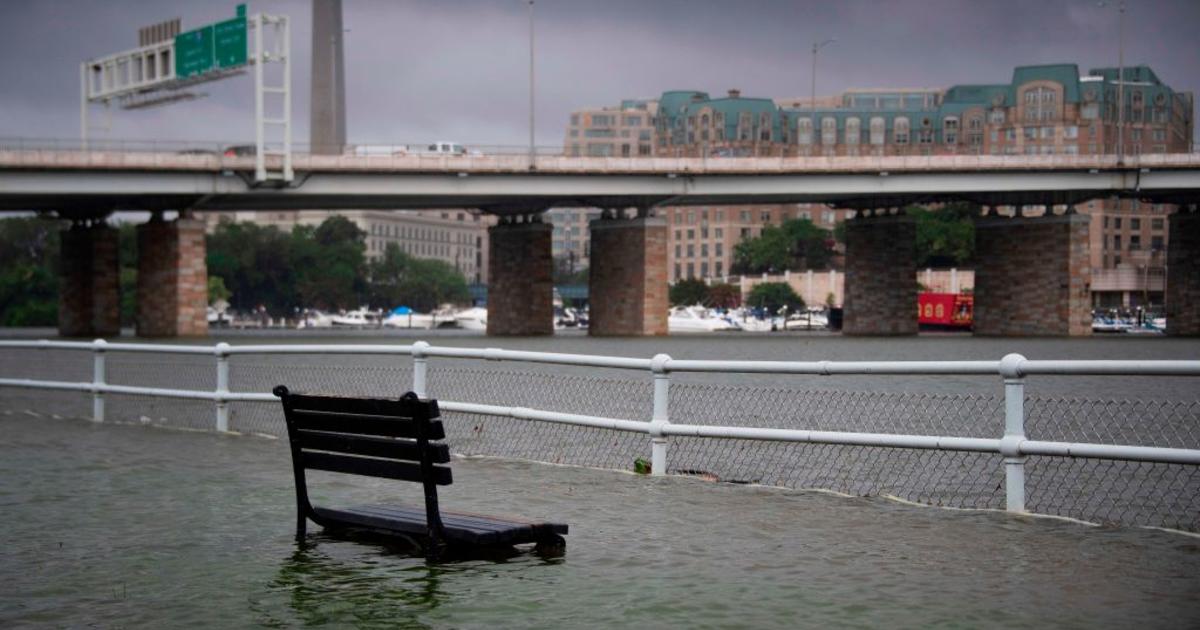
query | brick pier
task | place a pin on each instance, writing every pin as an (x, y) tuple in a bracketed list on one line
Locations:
[(627, 283), (1183, 273), (1032, 276), (89, 299), (172, 281), (881, 276), (520, 278)]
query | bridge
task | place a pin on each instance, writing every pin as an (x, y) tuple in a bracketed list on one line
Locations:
[(1035, 280), (80, 182)]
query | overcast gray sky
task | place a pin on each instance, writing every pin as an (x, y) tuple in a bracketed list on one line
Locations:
[(422, 70)]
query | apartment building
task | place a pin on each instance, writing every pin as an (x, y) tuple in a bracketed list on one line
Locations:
[(1051, 109)]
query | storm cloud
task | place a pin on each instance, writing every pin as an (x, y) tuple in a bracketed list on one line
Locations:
[(424, 70)]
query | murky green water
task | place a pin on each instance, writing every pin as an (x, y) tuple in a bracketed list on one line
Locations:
[(119, 526)]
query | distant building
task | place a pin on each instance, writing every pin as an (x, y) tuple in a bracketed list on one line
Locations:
[(1043, 110), (457, 237)]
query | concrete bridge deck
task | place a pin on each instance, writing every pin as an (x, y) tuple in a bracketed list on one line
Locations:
[(87, 181)]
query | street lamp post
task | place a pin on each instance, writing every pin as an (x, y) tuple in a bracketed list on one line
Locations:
[(1120, 5), (532, 150), (813, 104)]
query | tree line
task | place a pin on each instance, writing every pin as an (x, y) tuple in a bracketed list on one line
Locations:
[(323, 267)]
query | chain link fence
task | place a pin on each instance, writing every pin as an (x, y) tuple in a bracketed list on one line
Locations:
[(1118, 492)]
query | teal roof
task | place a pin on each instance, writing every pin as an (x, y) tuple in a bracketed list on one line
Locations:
[(977, 94), (1065, 74), (732, 108)]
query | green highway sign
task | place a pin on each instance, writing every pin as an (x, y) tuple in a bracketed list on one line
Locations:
[(229, 42), (212, 47), (194, 52)]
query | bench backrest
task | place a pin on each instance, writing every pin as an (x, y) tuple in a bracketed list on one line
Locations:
[(374, 437)]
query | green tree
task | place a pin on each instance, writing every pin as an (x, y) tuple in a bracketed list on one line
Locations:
[(773, 296), (217, 290), (255, 264), (329, 263), (397, 279), (795, 245), (945, 235), (688, 292), (29, 251), (724, 296)]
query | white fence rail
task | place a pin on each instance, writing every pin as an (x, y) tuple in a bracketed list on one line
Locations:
[(1012, 444)]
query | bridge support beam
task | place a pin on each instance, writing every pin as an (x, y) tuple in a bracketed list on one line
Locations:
[(172, 280), (89, 298), (520, 278), (1183, 273), (1033, 277), (881, 275), (627, 281)]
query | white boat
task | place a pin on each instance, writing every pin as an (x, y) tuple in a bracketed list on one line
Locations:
[(748, 321), (404, 317), (807, 320), (357, 318), (697, 319), (472, 319), (315, 319)]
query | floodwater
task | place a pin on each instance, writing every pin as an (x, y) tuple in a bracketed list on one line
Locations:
[(129, 526)]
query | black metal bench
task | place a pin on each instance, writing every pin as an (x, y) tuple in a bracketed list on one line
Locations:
[(394, 439)]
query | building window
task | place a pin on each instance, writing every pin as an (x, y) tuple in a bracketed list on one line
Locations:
[(718, 249), (1156, 243), (950, 130), (691, 250), (900, 128), (829, 131), (804, 130), (1156, 224), (678, 250), (878, 130), (1135, 242), (853, 130), (996, 116), (1040, 104), (1135, 223)]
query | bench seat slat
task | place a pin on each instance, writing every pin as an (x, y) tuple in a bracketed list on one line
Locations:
[(404, 471), (367, 424), (372, 446), (367, 406), (469, 528)]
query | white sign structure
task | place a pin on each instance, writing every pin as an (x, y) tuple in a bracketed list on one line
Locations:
[(147, 76)]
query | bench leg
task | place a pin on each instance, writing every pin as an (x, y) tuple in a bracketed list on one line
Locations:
[(301, 525), (551, 545)]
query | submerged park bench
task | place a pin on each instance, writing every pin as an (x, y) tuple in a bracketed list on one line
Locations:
[(393, 439)]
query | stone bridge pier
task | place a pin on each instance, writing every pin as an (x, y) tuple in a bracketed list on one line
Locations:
[(1033, 278), (520, 277), (1183, 273), (881, 274), (172, 280), (627, 282), (89, 296)]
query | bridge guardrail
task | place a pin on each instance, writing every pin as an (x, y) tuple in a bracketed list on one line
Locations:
[(1011, 442)]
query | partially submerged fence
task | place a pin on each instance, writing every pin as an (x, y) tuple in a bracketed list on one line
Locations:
[(1132, 462)]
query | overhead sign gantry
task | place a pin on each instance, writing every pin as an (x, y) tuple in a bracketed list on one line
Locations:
[(167, 63)]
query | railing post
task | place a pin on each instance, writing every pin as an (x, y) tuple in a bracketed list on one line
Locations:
[(420, 367), (98, 379), (222, 387), (1014, 432), (661, 414)]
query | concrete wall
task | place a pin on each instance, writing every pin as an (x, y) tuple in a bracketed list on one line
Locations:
[(520, 286), (172, 289), (1183, 274), (628, 277), (1033, 276), (815, 286), (89, 299), (881, 277)]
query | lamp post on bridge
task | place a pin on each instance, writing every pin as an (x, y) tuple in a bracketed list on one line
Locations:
[(1120, 6), (532, 149), (813, 104)]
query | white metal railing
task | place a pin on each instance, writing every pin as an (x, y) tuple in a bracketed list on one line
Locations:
[(1013, 445)]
